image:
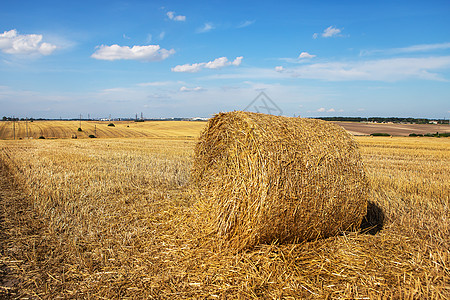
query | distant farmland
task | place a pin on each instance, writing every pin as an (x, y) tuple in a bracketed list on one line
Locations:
[(121, 129), (173, 129), (358, 128)]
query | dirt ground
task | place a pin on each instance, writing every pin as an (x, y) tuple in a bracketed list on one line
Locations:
[(357, 128)]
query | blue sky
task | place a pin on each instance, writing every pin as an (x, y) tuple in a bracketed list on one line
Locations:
[(193, 58)]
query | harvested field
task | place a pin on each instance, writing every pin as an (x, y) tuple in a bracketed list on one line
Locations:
[(109, 219), (357, 128), (121, 129), (173, 129)]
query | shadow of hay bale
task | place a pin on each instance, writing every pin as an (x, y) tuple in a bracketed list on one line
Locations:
[(373, 221)]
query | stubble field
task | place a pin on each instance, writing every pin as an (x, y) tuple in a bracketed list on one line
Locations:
[(112, 219), (100, 129)]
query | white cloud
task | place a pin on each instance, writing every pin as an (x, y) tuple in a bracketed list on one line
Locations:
[(217, 63), (205, 28), (46, 48), (13, 43), (323, 109), (114, 90), (410, 49), (245, 24), (301, 59), (188, 68), (279, 68), (214, 64), (237, 61), (306, 55), (155, 83), (422, 48), (186, 89), (142, 53), (331, 31), (162, 35), (172, 16), (393, 69), (434, 68), (315, 35)]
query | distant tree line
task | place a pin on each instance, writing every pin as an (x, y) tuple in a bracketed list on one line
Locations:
[(384, 120), (18, 119)]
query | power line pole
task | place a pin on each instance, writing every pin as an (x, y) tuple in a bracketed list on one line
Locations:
[(80, 120)]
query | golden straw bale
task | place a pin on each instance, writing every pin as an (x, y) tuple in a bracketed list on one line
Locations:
[(262, 179)]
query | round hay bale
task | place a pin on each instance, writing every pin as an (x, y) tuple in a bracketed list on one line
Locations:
[(262, 179)]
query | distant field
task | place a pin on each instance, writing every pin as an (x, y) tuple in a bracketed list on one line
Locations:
[(122, 129), (173, 129), (356, 128)]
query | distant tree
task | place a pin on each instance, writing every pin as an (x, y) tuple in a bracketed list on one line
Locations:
[(380, 134)]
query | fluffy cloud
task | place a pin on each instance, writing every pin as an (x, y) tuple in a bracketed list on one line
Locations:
[(323, 109), (186, 89), (279, 68), (217, 63), (331, 31), (214, 64), (237, 61), (142, 53), (172, 16), (13, 43), (188, 68), (305, 55)]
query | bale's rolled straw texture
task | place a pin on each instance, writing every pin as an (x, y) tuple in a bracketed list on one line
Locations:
[(263, 178)]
